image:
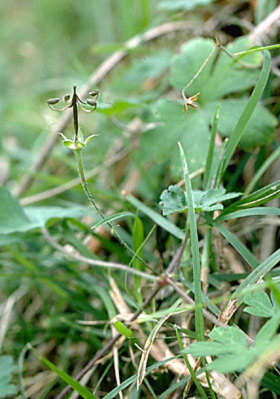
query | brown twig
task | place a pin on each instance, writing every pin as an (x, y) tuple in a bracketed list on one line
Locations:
[(104, 69)]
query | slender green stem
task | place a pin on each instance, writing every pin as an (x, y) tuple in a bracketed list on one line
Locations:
[(93, 203), (191, 370)]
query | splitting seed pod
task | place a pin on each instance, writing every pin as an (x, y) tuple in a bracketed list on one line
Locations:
[(74, 102), (53, 101)]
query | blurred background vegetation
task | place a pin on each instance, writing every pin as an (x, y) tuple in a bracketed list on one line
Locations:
[(47, 46)]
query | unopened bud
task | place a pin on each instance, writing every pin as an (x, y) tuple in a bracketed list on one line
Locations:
[(53, 101)]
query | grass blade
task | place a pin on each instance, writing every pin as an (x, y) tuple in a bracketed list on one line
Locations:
[(83, 391), (209, 167), (257, 211), (247, 113), (260, 271), (237, 244), (262, 170), (199, 323), (157, 218)]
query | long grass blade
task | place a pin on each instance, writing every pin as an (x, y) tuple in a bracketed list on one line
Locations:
[(83, 391), (199, 323), (262, 170), (209, 167), (156, 217), (237, 244), (247, 113)]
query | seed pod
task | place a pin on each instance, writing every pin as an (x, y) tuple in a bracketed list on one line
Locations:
[(94, 93), (67, 98), (53, 101), (91, 102)]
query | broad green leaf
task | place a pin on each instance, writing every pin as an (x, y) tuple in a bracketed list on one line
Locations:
[(230, 363), (259, 130), (190, 129), (6, 369), (259, 304), (143, 69), (186, 64), (14, 218), (229, 336), (174, 199), (176, 5), (229, 76), (268, 330), (271, 382)]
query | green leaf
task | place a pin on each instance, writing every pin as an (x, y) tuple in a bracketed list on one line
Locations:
[(272, 382), (238, 245), (112, 218), (6, 369), (258, 197), (122, 329), (230, 77), (156, 217), (137, 241), (259, 130), (199, 320), (117, 107), (190, 129), (83, 391), (247, 112), (259, 304), (229, 336), (174, 199), (230, 346), (186, 64), (14, 218)]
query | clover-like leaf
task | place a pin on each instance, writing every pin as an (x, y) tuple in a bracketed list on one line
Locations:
[(6, 369), (259, 304), (175, 200)]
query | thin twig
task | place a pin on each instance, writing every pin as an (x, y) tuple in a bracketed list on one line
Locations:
[(189, 300), (96, 262), (104, 69)]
